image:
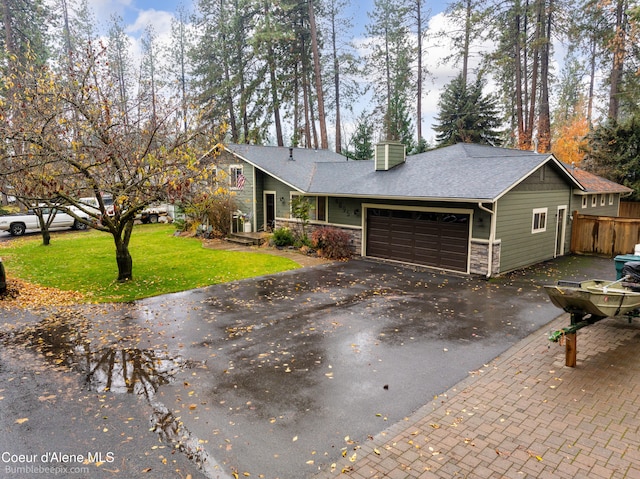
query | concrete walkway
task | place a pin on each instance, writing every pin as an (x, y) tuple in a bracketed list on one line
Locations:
[(524, 415)]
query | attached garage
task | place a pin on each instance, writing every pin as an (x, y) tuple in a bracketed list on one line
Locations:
[(432, 238)]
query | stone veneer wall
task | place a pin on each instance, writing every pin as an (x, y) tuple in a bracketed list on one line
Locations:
[(355, 233), (480, 256)]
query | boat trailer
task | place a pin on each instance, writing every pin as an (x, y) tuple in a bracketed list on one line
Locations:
[(579, 318)]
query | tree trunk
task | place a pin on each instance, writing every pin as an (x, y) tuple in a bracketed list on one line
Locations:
[(467, 42), (274, 96), (336, 82), (533, 91), (592, 82), (618, 61), (8, 30), (544, 116), (419, 79), (324, 141), (123, 256)]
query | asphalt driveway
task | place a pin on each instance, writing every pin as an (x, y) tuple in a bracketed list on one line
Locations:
[(278, 377)]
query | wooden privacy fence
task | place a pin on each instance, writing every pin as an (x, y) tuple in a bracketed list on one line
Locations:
[(604, 235), (629, 209)]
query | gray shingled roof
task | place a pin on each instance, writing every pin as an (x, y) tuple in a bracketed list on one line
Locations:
[(462, 171)]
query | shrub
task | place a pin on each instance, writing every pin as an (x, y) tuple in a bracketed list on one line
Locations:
[(283, 237), (332, 243)]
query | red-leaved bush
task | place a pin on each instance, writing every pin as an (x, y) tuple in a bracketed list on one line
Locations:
[(332, 243)]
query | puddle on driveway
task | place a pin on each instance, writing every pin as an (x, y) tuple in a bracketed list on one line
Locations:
[(63, 339)]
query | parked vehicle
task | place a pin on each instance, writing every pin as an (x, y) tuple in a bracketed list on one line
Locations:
[(91, 204), (17, 224), (155, 214)]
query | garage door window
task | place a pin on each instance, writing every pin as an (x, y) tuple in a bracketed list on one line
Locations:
[(539, 220)]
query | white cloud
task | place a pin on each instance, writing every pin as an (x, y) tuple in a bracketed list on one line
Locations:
[(158, 19)]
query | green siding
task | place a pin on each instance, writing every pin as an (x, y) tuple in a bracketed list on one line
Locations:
[(520, 247), (396, 155), (599, 209)]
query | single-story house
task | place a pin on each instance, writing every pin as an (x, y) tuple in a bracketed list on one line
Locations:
[(467, 208)]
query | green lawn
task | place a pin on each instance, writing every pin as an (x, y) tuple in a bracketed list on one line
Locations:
[(162, 263)]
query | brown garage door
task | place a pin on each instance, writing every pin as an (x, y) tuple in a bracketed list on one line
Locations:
[(433, 239)]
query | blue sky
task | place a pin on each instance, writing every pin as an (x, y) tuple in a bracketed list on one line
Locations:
[(138, 12)]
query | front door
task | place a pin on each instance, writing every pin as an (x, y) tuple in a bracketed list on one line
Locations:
[(560, 230), (269, 210)]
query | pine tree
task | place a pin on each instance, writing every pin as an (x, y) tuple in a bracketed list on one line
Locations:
[(613, 152), (466, 115), (361, 144), (389, 65)]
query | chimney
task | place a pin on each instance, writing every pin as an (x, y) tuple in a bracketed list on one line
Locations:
[(389, 154), (290, 154)]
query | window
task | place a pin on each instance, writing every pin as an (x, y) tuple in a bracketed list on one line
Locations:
[(585, 203), (539, 220), (236, 178), (602, 200), (611, 197), (594, 200), (318, 206)]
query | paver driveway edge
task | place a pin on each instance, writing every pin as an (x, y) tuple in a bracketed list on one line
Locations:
[(523, 415)]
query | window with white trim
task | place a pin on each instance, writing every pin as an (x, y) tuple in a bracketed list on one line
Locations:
[(594, 200), (236, 178), (602, 200), (585, 203), (611, 199), (539, 223)]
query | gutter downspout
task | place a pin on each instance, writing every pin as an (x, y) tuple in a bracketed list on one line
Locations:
[(492, 236)]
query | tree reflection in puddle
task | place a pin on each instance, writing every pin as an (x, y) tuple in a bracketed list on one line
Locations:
[(63, 339)]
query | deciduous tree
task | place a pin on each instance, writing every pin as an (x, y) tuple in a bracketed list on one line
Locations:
[(76, 136)]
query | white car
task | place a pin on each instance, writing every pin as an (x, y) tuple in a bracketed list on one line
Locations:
[(17, 224)]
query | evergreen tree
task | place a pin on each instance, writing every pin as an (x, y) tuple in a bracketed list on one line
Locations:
[(25, 30), (466, 115), (389, 66), (613, 152), (361, 144)]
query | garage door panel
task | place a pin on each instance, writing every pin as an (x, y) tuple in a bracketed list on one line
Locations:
[(428, 238)]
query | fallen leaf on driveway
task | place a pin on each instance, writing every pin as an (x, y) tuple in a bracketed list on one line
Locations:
[(22, 420)]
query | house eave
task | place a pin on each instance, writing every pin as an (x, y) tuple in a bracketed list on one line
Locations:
[(402, 198)]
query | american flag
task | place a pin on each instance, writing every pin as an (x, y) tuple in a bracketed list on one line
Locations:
[(240, 179)]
